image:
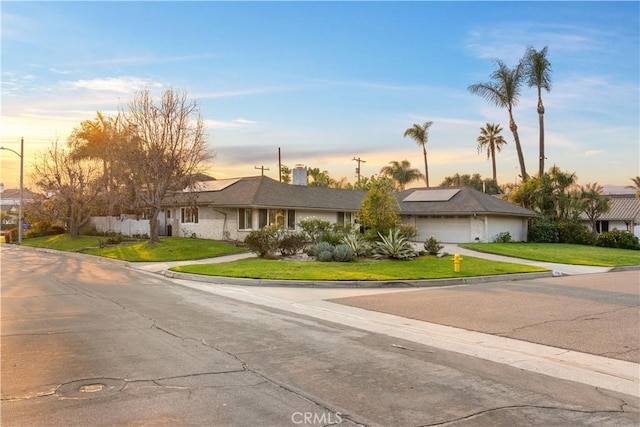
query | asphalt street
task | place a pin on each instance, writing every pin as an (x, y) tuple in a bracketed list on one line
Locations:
[(97, 342)]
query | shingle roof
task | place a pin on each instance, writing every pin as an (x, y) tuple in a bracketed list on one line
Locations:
[(264, 192), (465, 201)]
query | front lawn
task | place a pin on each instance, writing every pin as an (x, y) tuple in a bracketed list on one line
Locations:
[(426, 267), (561, 253), (62, 242), (168, 249)]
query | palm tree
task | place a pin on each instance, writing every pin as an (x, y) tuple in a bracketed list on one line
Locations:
[(490, 137), (504, 91), (420, 134), (635, 186), (538, 74), (401, 173)]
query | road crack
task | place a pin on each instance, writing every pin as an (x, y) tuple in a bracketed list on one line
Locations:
[(583, 317), (517, 407)]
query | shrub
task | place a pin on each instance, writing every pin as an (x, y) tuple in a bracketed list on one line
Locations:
[(573, 231), (322, 247), (263, 242), (408, 231), (331, 236), (541, 231), (358, 244), (618, 239), (343, 253), (43, 228), (115, 239), (432, 246), (502, 237), (394, 246), (290, 243), (325, 256), (314, 228)]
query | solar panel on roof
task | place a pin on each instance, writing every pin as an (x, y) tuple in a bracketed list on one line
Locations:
[(216, 185), (438, 195)]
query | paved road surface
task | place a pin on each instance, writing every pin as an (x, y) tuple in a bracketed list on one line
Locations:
[(87, 342)]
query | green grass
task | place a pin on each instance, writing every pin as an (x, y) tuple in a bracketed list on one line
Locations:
[(426, 267), (561, 253), (62, 242), (168, 249)]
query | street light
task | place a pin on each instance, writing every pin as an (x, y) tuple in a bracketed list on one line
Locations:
[(21, 155)]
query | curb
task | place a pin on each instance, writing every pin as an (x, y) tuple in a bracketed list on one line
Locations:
[(220, 280)]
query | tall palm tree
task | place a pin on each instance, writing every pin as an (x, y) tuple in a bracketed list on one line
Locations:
[(420, 134), (538, 74), (635, 186), (401, 173), (504, 91), (491, 139)]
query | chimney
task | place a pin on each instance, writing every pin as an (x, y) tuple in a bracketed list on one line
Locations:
[(299, 175)]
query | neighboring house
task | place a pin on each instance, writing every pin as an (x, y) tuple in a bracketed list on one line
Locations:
[(232, 208), (624, 215), (10, 204), (461, 215)]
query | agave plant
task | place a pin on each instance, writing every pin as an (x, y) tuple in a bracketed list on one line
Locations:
[(358, 244), (394, 246)]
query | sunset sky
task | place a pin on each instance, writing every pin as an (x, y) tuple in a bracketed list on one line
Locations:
[(327, 82)]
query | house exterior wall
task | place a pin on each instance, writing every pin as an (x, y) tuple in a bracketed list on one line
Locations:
[(516, 226), (222, 223), (466, 229), (215, 224)]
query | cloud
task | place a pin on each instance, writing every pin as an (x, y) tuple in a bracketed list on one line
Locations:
[(233, 124), (590, 153), (125, 84)]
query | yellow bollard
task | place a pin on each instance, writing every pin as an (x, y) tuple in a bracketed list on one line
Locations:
[(457, 259)]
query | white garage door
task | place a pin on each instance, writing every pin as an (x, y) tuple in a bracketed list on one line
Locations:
[(447, 230)]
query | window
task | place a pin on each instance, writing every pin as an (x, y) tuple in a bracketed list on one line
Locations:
[(244, 219), (344, 218), (602, 226), (282, 218), (291, 219), (189, 215)]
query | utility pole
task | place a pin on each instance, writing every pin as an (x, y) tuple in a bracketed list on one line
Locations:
[(262, 168), (359, 160), (279, 165)]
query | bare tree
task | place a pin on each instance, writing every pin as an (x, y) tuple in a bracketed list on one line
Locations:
[(165, 145), (71, 183)]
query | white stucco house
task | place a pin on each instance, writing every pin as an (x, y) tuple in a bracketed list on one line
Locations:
[(232, 208), (623, 214)]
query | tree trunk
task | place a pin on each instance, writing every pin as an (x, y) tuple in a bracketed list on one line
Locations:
[(541, 127), (493, 164), (514, 130), (426, 167), (153, 225)]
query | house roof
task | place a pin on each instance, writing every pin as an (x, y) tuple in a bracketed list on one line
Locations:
[(623, 208), (455, 201), (264, 192)]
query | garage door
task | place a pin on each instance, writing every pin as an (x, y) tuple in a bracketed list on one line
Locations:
[(447, 230)]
